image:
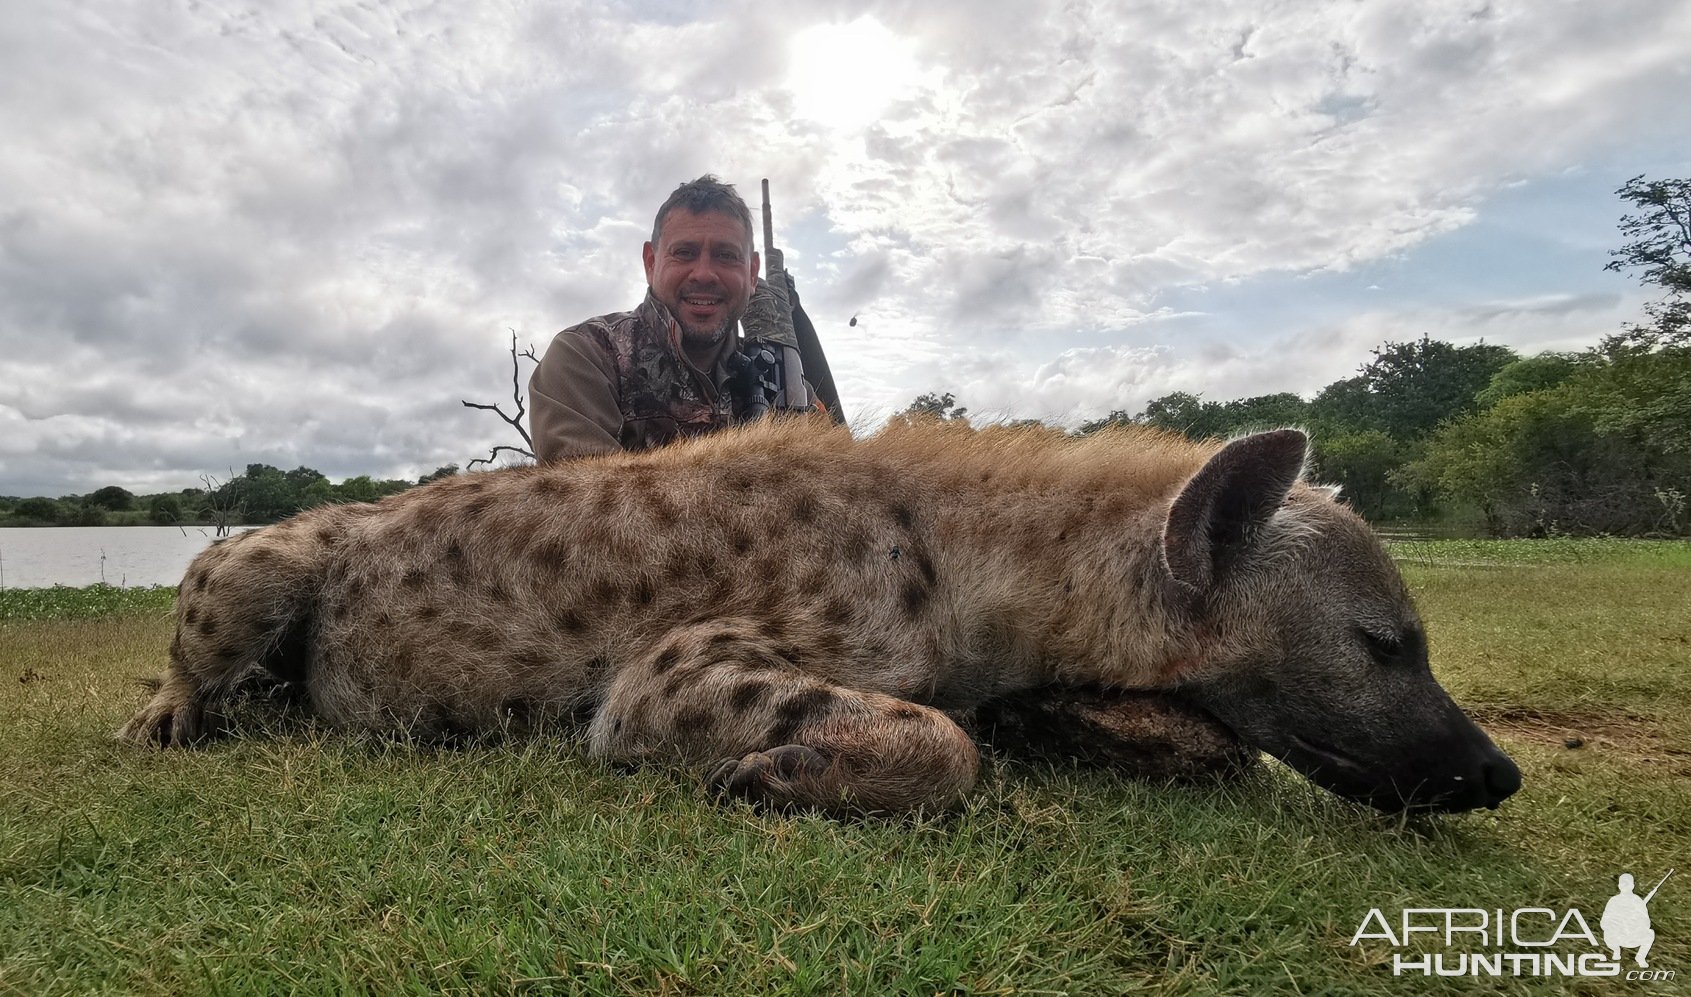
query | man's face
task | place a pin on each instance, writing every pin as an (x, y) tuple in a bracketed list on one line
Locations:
[(703, 270)]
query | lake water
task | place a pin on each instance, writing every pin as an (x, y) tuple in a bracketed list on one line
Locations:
[(87, 555)]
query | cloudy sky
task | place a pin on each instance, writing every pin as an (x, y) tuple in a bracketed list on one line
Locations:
[(301, 233)]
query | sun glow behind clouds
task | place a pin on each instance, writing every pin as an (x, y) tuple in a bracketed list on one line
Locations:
[(844, 75)]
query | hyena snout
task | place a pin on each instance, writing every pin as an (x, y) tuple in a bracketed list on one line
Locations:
[(1450, 766), (1411, 753)]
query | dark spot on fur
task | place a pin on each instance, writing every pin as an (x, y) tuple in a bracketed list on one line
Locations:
[(770, 568), (803, 507), (796, 711), (605, 590), (814, 582), (679, 679), (263, 555), (668, 658), (414, 578), (829, 645), (791, 654), (663, 513), (1062, 535), (570, 622), (914, 597), (741, 541), (606, 501), (327, 535), (476, 510), (692, 719), (903, 516), (855, 547), (551, 486), (749, 695), (200, 580), (598, 665), (924, 567), (208, 626), (454, 552), (549, 551), (740, 481), (838, 612), (192, 615), (895, 553), (644, 593), (497, 592), (720, 640), (428, 611)]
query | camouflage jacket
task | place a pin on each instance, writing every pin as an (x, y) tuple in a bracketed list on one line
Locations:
[(621, 382)]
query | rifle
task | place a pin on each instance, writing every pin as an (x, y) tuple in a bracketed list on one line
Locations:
[(771, 369), (1652, 893)]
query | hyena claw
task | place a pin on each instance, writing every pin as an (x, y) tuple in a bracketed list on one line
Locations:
[(785, 776)]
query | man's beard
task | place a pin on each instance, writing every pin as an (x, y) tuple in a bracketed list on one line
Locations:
[(705, 338)]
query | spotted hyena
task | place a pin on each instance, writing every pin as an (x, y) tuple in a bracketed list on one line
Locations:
[(805, 616)]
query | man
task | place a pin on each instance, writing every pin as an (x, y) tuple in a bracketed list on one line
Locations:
[(638, 379), (1626, 921)]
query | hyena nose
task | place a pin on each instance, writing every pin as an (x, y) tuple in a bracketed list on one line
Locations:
[(1501, 779)]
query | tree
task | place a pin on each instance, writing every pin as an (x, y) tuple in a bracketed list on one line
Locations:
[(1183, 412), (112, 497), (1415, 386), (1361, 464), (1344, 406), (1661, 250), (1258, 412), (1534, 373), (265, 493), (931, 406), (222, 503), (514, 420), (444, 471), (165, 510), (41, 510)]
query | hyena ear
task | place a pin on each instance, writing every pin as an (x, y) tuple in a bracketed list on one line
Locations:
[(1233, 494)]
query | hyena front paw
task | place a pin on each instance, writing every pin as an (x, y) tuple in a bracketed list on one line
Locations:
[(787, 776)]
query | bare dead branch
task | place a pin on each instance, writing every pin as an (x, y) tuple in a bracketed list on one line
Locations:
[(515, 421)]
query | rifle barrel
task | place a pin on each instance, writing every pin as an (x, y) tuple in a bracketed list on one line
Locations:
[(1658, 886), (768, 227)]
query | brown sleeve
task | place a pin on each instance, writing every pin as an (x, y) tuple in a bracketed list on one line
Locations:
[(573, 410)]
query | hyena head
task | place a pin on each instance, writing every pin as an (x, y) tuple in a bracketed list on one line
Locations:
[(1312, 647)]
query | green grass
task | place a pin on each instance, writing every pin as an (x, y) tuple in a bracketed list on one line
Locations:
[(62, 603), (321, 862)]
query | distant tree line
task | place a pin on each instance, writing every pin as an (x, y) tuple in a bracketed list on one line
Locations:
[(261, 494)]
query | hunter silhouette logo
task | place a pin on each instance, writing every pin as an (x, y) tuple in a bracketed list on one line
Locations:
[(1626, 920), (1525, 942)]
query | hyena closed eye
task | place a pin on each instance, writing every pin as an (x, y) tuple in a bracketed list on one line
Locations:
[(804, 617)]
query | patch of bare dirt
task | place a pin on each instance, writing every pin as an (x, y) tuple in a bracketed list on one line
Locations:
[(1617, 734)]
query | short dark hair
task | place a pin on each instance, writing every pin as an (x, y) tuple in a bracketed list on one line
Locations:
[(702, 195)]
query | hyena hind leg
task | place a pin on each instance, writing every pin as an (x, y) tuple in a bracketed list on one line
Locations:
[(173, 716), (237, 620), (717, 697)]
